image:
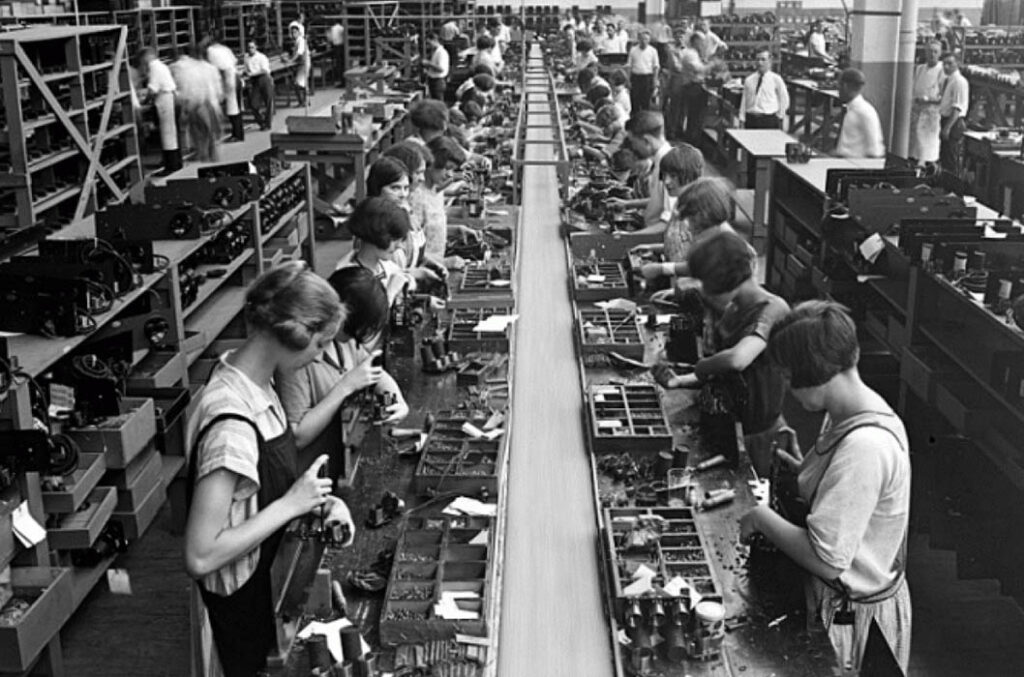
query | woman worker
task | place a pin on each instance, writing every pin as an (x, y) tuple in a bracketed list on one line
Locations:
[(379, 225), (302, 59), (747, 314), (314, 394), (246, 487), (855, 481)]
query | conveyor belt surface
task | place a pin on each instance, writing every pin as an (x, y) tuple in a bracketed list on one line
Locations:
[(553, 622)]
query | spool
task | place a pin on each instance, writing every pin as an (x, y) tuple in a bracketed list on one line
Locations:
[(663, 463), (680, 456), (351, 643), (675, 643), (976, 260), (640, 660), (319, 654)]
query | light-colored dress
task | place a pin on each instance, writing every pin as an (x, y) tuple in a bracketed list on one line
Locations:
[(925, 123)]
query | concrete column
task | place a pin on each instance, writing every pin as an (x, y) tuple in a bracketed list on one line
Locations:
[(874, 37), (904, 79)]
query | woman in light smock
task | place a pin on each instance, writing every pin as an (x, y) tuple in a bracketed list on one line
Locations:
[(854, 485)]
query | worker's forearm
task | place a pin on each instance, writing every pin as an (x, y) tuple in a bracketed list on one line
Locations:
[(320, 416), (795, 542)]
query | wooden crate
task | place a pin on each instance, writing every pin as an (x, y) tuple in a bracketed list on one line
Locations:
[(122, 442), (131, 497), (51, 607), (79, 530), (458, 326), (77, 486), (135, 523)]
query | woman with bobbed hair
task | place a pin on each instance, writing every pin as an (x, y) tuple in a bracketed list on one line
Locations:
[(379, 225), (313, 395), (389, 177), (849, 528), (245, 486)]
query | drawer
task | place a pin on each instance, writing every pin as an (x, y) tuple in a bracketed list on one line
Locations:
[(77, 486), (158, 370), (80, 529), (917, 375), (136, 522), (49, 590), (120, 443), (132, 496)]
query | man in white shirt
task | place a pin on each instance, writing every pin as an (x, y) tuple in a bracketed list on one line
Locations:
[(956, 96), (765, 98), (261, 86), (437, 67), (861, 132), (615, 42), (224, 59), (336, 38), (713, 45), (160, 89), (502, 34), (925, 123), (643, 65)]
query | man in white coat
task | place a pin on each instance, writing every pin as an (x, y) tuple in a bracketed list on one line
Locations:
[(924, 115)]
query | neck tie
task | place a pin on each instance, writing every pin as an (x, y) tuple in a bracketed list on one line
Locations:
[(760, 79)]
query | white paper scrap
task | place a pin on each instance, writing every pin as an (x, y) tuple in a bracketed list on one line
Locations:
[(464, 505), (26, 528), (638, 587), (472, 430), (872, 247), (676, 586), (481, 538), (618, 304), (643, 571), (331, 630)]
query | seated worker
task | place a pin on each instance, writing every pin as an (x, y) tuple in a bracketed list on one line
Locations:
[(620, 90), (479, 90), (244, 484), (429, 119), (855, 482), (587, 79), (314, 394), (487, 54), (747, 312), (647, 136), (379, 226), (585, 57), (626, 166)]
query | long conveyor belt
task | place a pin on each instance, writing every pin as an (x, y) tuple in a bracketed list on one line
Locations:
[(552, 617)]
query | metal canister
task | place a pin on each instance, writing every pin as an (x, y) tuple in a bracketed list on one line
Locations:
[(708, 630), (319, 654)]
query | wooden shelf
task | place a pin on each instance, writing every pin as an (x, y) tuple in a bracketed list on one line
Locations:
[(218, 312), (210, 287)]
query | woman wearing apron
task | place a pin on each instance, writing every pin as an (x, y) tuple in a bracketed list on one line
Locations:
[(244, 485), (924, 116), (854, 482)]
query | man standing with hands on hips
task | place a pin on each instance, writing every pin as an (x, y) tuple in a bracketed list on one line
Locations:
[(765, 97), (952, 111)]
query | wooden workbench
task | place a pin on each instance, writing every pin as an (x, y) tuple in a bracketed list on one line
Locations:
[(758, 147)]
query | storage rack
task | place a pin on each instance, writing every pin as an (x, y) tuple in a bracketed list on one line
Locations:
[(69, 127), (745, 38), (240, 22), (169, 30), (454, 461), (128, 470)]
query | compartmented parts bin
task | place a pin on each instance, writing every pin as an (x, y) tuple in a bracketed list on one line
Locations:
[(628, 418), (602, 330), (611, 281), (454, 461), (493, 278), (435, 556), (460, 324), (49, 596), (679, 550)]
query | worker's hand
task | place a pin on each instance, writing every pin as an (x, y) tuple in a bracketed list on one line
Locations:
[(616, 204), (397, 411), (652, 271), (469, 234), (364, 375), (788, 449), (664, 297), (424, 275), (664, 375), (310, 491), (337, 511), (750, 523)]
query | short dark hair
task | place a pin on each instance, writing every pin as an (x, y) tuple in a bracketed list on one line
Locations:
[(363, 297), (584, 77), (853, 78), (379, 221), (684, 162), (484, 82), (429, 115), (617, 78), (584, 45), (384, 171), (598, 93), (814, 342), (646, 123), (624, 158), (483, 69), (446, 151), (706, 202), (484, 42), (722, 262), (471, 110), (412, 155)]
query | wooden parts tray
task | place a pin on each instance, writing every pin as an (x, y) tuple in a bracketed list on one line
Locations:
[(454, 461), (679, 550), (588, 288), (435, 556), (459, 324), (627, 418), (601, 330), (491, 279), (122, 439)]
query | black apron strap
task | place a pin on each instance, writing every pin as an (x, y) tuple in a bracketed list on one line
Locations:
[(193, 461)]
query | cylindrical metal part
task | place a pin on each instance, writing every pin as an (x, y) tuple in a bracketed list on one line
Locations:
[(319, 654), (680, 456), (675, 643), (351, 643), (711, 462), (718, 499), (640, 660), (662, 464)]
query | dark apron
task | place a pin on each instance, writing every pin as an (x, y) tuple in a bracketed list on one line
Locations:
[(243, 622)]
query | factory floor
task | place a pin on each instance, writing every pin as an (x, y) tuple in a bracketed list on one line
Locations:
[(961, 627)]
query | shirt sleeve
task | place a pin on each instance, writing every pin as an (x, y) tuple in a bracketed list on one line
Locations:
[(783, 95), (774, 311), (231, 445), (295, 389), (848, 495), (961, 96)]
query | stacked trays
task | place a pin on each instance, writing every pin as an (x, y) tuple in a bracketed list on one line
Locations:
[(628, 418), (460, 323), (435, 556)]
